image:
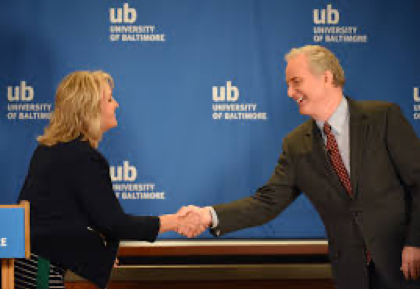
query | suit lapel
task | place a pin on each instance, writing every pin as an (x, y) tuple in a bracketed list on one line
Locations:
[(358, 132), (319, 157)]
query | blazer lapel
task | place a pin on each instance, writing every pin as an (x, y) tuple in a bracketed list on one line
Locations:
[(358, 132), (319, 157)]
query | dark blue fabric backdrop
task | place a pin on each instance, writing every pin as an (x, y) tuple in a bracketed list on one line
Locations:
[(171, 62)]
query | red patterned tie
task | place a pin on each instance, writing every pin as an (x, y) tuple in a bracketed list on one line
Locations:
[(339, 168), (335, 159)]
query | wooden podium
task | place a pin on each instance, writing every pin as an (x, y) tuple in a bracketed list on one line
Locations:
[(14, 239)]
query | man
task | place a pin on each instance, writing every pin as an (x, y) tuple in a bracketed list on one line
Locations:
[(358, 163)]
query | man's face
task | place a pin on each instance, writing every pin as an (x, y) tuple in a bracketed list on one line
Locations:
[(307, 89)]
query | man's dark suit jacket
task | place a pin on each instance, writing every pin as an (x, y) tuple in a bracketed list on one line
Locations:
[(384, 214), (76, 220)]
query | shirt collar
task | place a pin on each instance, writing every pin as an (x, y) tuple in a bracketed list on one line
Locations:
[(338, 118)]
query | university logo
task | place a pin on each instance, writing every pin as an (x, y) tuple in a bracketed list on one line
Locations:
[(416, 94), (126, 172), (20, 93), (226, 106), (326, 16), (123, 15), (21, 104), (225, 93)]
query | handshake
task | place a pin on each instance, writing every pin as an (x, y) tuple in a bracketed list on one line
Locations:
[(189, 221)]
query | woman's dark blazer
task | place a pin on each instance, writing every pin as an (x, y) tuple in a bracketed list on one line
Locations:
[(76, 220)]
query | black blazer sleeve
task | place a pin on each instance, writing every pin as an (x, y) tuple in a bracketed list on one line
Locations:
[(404, 150), (96, 196)]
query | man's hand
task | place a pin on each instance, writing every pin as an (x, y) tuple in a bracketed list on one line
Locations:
[(411, 262), (193, 220)]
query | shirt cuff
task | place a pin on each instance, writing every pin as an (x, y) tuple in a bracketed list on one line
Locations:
[(214, 219)]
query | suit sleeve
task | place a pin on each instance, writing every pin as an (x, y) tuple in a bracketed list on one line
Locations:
[(97, 199), (268, 202), (404, 149)]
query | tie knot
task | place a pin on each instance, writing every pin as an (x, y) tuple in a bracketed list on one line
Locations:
[(327, 128)]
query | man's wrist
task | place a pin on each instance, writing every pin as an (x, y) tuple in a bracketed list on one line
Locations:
[(214, 222)]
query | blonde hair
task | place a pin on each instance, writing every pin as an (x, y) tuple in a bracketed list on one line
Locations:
[(320, 59), (77, 109)]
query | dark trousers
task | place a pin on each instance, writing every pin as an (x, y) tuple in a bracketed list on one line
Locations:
[(375, 281)]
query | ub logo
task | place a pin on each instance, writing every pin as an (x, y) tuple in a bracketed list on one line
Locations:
[(332, 15), (123, 173), (416, 94), (23, 92), (225, 93), (123, 15)]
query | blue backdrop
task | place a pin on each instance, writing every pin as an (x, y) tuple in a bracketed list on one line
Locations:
[(178, 66)]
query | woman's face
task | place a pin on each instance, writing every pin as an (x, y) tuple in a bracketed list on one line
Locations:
[(108, 107)]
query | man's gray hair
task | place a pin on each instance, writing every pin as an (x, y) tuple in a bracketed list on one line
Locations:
[(320, 59)]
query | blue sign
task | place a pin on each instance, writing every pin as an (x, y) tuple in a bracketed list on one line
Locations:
[(12, 233), (201, 88)]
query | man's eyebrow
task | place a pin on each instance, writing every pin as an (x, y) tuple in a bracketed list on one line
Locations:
[(291, 79)]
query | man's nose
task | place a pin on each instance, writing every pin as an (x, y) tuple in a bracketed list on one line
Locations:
[(290, 91)]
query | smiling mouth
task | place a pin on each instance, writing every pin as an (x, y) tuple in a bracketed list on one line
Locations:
[(300, 99)]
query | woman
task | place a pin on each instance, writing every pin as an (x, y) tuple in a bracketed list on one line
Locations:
[(76, 220)]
